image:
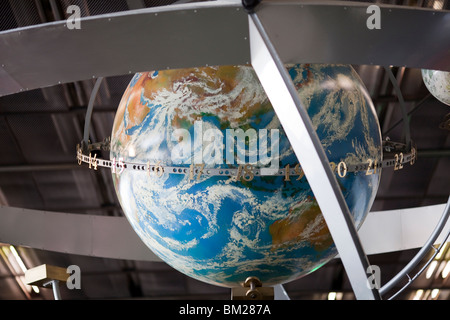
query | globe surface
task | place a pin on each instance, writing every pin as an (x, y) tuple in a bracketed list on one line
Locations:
[(220, 228), (438, 83)]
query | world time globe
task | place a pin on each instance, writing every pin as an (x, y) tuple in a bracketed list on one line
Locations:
[(438, 83), (223, 196)]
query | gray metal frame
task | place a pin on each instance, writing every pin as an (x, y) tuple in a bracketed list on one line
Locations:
[(216, 33)]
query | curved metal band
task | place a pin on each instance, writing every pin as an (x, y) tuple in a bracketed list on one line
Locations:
[(216, 33), (340, 168), (421, 270), (421, 254)]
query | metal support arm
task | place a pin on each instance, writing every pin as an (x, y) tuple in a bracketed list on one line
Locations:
[(308, 149)]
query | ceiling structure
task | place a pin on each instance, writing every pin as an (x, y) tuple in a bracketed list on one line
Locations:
[(39, 131)]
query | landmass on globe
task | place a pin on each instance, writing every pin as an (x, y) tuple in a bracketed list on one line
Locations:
[(305, 222)]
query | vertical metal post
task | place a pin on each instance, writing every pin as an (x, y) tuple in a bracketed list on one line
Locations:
[(55, 287), (308, 149)]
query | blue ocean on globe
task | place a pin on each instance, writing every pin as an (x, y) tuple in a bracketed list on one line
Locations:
[(221, 228)]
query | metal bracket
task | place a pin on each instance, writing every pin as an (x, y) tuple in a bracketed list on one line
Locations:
[(252, 289), (46, 275)]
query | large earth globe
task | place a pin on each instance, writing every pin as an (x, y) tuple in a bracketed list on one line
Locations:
[(223, 196)]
